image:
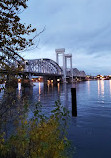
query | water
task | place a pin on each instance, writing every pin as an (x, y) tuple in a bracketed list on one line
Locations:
[(90, 131)]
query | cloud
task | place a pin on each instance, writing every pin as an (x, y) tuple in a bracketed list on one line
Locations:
[(83, 27)]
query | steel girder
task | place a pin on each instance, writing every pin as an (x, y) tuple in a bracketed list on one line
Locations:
[(44, 65)]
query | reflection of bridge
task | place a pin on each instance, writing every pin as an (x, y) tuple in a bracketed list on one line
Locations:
[(47, 68)]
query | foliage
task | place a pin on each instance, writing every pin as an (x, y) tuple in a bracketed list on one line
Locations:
[(39, 137), (11, 29), (14, 35)]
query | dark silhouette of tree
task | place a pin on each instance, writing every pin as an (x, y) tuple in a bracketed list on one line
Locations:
[(14, 36)]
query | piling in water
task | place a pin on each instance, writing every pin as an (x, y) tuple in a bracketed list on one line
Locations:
[(74, 102)]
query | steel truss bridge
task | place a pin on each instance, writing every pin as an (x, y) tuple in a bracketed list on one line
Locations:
[(12, 62), (43, 67), (36, 67)]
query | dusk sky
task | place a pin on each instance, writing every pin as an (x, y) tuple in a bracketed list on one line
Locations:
[(82, 27)]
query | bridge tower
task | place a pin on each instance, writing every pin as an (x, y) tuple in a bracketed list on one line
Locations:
[(65, 57), (58, 52), (69, 56)]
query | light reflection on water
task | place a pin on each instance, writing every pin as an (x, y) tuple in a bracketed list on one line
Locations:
[(98, 88), (58, 86), (88, 82), (98, 92), (101, 91), (102, 88), (39, 91), (19, 90), (19, 86)]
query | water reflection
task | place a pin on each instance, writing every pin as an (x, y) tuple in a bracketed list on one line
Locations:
[(19, 90), (88, 82), (39, 91), (48, 94), (58, 87), (98, 88), (2, 91), (110, 86), (48, 87), (19, 86), (52, 85), (101, 88), (51, 93), (101, 91), (65, 95)]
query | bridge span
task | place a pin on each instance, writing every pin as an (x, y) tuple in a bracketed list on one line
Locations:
[(45, 67)]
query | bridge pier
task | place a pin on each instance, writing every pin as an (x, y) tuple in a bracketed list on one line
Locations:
[(45, 78), (27, 80), (55, 80), (26, 83), (52, 79)]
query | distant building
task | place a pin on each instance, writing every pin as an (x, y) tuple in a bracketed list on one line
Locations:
[(77, 73), (82, 74)]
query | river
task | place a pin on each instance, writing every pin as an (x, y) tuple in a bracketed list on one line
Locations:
[(90, 131)]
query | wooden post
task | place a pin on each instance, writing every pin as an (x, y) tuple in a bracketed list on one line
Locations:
[(74, 102)]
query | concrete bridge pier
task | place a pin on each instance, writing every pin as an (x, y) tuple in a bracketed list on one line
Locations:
[(45, 78), (27, 80), (54, 80), (71, 79)]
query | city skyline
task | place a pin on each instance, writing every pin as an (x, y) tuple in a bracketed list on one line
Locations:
[(82, 27)]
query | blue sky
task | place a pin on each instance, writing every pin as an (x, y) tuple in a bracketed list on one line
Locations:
[(82, 27)]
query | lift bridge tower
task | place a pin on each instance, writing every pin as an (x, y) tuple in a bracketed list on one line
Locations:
[(65, 57)]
